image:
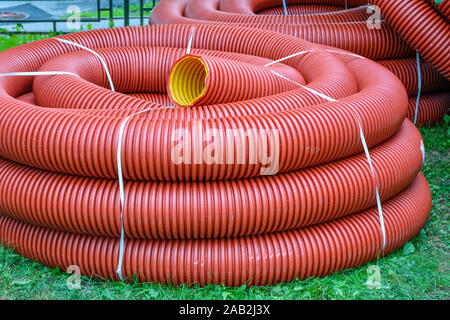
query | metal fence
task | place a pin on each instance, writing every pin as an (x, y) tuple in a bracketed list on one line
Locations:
[(104, 11)]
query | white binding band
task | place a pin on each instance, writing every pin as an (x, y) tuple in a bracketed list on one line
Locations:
[(37, 73), (419, 86), (363, 141), (121, 186), (304, 87), (288, 57), (346, 53), (307, 51), (188, 49), (108, 75)]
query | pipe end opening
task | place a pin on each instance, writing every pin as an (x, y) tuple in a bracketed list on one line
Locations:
[(187, 81)]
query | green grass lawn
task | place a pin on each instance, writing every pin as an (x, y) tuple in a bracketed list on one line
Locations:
[(418, 271)]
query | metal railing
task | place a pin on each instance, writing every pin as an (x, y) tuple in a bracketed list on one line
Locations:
[(145, 7)]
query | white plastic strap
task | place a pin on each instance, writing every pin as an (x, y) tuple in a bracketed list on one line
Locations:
[(377, 193), (121, 186), (346, 53), (108, 75), (188, 49), (37, 73), (288, 57), (285, 8), (304, 87), (419, 85)]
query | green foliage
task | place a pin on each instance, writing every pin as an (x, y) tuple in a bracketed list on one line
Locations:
[(419, 271), (8, 40)]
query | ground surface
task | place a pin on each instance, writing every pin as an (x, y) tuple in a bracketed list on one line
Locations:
[(418, 271)]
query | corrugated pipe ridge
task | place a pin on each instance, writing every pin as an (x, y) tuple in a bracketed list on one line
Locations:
[(422, 28), (256, 260), (213, 210)]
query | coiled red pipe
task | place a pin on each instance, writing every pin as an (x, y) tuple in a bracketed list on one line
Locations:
[(343, 29), (262, 205), (258, 260), (293, 113), (423, 28), (203, 222), (443, 8), (432, 108), (406, 71)]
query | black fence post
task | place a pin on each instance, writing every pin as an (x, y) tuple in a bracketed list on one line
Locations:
[(111, 12), (126, 4), (141, 8)]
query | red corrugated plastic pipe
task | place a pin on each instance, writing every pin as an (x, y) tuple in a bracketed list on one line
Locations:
[(201, 80), (347, 30), (423, 28), (299, 9), (261, 221), (406, 71), (261, 205), (311, 130), (258, 260)]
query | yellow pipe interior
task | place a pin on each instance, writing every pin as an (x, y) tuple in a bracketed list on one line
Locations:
[(188, 80)]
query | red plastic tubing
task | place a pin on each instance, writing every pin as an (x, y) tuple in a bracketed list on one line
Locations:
[(257, 260), (342, 29), (199, 210), (204, 222), (406, 71), (423, 28), (433, 107), (341, 24), (74, 138)]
